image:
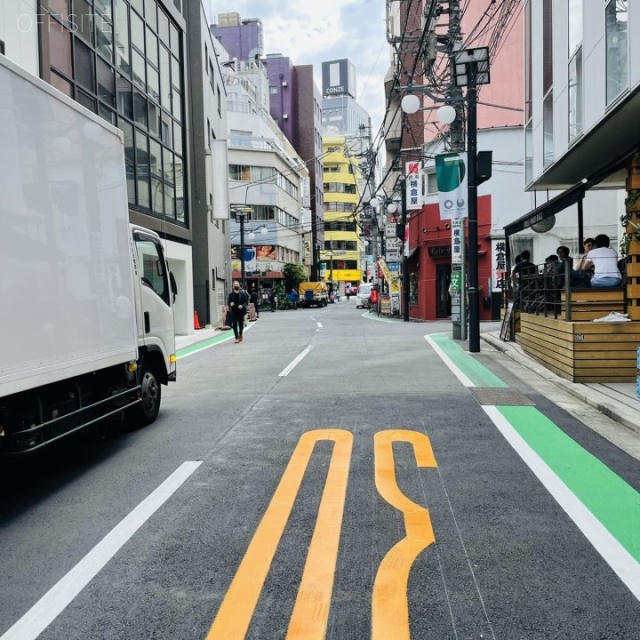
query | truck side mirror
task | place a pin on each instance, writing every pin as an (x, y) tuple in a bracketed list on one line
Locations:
[(174, 286)]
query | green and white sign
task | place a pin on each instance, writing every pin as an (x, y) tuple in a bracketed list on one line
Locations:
[(451, 176)]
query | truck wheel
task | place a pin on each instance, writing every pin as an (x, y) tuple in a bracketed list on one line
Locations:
[(151, 393)]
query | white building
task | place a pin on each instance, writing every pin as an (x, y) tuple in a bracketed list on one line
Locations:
[(19, 33), (209, 194), (268, 181), (582, 75)]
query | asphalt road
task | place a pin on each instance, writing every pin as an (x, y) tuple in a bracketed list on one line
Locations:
[(333, 475)]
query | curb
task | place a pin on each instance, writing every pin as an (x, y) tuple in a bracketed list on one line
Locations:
[(626, 416)]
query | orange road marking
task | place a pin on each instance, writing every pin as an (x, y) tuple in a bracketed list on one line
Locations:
[(390, 610), (311, 610)]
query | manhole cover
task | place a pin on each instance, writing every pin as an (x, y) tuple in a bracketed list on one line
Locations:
[(500, 396)]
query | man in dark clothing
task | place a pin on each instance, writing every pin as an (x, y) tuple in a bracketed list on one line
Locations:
[(238, 301), (523, 269)]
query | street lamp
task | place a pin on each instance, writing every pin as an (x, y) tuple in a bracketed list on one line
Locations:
[(471, 68), (242, 215)]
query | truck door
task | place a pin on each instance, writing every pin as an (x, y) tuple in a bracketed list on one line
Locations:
[(156, 323)]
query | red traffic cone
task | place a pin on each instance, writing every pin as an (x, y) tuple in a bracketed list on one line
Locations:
[(196, 322)]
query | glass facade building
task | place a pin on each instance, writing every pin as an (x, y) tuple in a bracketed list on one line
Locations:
[(123, 59)]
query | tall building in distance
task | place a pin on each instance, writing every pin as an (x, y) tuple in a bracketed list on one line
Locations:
[(268, 180), (341, 114), (340, 255), (348, 124), (243, 39), (295, 103)]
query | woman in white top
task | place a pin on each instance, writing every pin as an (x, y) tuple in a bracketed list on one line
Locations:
[(605, 264)]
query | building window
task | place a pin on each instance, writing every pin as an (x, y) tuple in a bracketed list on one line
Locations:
[(528, 88), (60, 48), (617, 48), (528, 153), (431, 182), (123, 56), (547, 128), (60, 7), (575, 8), (82, 20), (575, 95), (547, 45)]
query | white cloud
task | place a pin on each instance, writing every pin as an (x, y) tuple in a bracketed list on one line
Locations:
[(314, 31)]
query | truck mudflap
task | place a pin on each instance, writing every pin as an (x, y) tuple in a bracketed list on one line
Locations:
[(65, 420)]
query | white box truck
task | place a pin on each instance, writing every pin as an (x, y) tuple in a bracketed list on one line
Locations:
[(86, 299)]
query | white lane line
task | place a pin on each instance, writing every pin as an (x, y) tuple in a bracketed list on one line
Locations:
[(289, 368), (319, 325), (51, 605), (617, 557), (447, 360)]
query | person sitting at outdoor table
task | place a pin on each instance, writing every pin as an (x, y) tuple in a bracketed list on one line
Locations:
[(577, 277), (605, 264), (580, 261), (523, 268)]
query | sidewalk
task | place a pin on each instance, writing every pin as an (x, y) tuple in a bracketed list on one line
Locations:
[(615, 400)]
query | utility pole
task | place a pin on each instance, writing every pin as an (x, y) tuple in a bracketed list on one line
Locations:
[(456, 144), (454, 92), (242, 217), (405, 257)]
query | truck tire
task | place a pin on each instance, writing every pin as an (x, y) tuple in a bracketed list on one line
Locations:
[(151, 394)]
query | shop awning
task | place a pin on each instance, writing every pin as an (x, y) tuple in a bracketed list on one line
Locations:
[(566, 198), (551, 207)]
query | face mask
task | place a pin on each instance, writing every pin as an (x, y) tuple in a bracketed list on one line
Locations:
[(236, 288)]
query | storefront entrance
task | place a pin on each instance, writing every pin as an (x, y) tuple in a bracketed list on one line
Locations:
[(443, 299)]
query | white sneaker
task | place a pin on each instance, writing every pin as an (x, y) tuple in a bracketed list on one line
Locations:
[(614, 316)]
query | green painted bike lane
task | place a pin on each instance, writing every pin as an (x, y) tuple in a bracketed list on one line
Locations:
[(607, 496), (204, 344)]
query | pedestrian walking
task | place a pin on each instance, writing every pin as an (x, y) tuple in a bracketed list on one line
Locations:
[(272, 299), (237, 301), (254, 300)]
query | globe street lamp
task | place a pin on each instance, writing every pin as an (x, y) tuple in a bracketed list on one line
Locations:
[(470, 69), (242, 216)]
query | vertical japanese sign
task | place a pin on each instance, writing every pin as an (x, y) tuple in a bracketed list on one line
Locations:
[(457, 241), (456, 287), (414, 186), (406, 240), (382, 264), (451, 176), (499, 265)]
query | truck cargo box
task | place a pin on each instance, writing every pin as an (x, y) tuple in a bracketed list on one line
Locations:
[(66, 282)]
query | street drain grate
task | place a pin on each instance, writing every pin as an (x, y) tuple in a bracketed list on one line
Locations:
[(500, 396)]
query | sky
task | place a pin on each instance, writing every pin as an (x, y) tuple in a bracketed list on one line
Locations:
[(315, 31)]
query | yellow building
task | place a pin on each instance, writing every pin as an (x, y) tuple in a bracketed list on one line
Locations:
[(341, 253)]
